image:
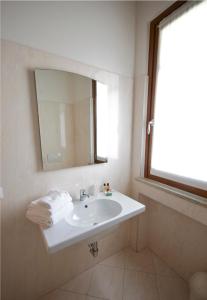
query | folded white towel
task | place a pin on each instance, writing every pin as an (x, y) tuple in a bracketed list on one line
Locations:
[(43, 217), (53, 201), (45, 223), (50, 209)]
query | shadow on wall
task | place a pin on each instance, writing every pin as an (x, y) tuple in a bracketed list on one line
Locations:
[(34, 114)]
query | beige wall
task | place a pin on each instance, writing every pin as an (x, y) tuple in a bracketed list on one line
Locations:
[(174, 228), (28, 270), (98, 33)]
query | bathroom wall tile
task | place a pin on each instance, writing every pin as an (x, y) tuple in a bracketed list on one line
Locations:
[(180, 241), (143, 220), (187, 208), (175, 238), (63, 295), (172, 288), (140, 261), (114, 242), (134, 229), (139, 286), (107, 282)]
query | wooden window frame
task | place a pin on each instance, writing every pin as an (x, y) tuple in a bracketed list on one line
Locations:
[(152, 68)]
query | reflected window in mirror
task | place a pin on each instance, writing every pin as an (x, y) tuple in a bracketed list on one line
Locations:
[(101, 121)]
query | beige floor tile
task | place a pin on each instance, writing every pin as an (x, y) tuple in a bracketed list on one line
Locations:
[(63, 295), (140, 261), (162, 268), (117, 260), (107, 283), (139, 286), (93, 298), (79, 284), (126, 275), (172, 288)]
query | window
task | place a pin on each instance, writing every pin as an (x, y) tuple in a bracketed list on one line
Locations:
[(176, 142)]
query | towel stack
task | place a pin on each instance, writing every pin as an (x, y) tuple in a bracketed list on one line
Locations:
[(50, 209)]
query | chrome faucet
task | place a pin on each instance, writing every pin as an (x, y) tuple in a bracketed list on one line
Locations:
[(83, 194)]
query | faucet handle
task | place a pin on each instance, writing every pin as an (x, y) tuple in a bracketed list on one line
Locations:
[(83, 194)]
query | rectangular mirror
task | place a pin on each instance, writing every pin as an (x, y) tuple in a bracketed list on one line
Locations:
[(73, 111)]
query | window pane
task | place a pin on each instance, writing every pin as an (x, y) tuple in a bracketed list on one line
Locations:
[(180, 130)]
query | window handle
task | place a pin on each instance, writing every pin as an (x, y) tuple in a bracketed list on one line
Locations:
[(150, 124)]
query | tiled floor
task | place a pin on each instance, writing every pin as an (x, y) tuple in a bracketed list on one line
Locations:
[(125, 276)]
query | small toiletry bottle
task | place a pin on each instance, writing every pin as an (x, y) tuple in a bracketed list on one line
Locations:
[(108, 187), (108, 191), (104, 187)]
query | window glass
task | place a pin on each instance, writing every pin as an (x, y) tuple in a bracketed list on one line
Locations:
[(179, 149)]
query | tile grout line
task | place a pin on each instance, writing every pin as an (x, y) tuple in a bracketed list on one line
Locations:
[(90, 281), (157, 286), (163, 261), (128, 268), (86, 294), (124, 268), (82, 294), (110, 267), (68, 291), (123, 289), (123, 284), (115, 267), (156, 277), (125, 259)]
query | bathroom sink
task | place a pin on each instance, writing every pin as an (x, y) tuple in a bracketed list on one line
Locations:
[(93, 213), (89, 218)]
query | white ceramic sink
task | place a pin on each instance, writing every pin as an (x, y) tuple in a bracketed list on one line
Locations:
[(89, 218), (93, 213)]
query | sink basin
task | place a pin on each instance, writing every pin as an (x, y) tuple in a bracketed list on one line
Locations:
[(93, 213), (89, 218)]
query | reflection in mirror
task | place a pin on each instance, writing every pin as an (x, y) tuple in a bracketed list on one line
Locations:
[(102, 111), (73, 112)]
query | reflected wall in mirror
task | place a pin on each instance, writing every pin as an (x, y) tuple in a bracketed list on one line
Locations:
[(73, 112)]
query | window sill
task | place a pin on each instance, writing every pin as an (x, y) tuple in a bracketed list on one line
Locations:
[(174, 191)]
